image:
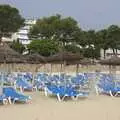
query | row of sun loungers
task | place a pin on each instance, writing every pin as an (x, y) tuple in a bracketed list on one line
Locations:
[(61, 86)]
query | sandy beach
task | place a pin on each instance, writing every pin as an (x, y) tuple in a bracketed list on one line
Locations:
[(48, 108)]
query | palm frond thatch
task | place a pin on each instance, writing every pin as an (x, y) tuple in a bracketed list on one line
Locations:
[(64, 56), (35, 59), (114, 60), (8, 55)]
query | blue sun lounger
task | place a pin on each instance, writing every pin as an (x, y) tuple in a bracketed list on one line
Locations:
[(109, 89), (61, 92), (15, 96), (3, 99), (107, 86), (24, 85)]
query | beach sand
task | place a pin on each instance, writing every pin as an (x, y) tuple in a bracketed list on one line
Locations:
[(48, 108)]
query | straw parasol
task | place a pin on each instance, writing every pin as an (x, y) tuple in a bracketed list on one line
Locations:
[(8, 55), (112, 62), (64, 58), (84, 61), (35, 58)]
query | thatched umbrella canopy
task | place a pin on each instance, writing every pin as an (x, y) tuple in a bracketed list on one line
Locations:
[(62, 57), (8, 55), (111, 62), (35, 59), (84, 61), (114, 60)]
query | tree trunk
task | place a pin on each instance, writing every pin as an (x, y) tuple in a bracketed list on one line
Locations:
[(0, 38), (114, 51), (77, 69), (51, 69), (61, 67), (104, 53)]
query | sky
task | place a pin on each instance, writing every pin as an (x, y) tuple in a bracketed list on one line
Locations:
[(91, 14)]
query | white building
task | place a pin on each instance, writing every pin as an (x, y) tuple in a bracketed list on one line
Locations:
[(22, 34), (24, 31), (14, 36), (108, 53)]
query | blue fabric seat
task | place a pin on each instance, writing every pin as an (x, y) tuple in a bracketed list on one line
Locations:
[(14, 95), (24, 84), (63, 91), (3, 99)]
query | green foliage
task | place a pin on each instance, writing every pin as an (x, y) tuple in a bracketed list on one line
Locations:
[(55, 27), (113, 37), (45, 27), (55, 33), (80, 38), (109, 38), (43, 47), (10, 19), (17, 46), (73, 49), (66, 30), (91, 53)]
